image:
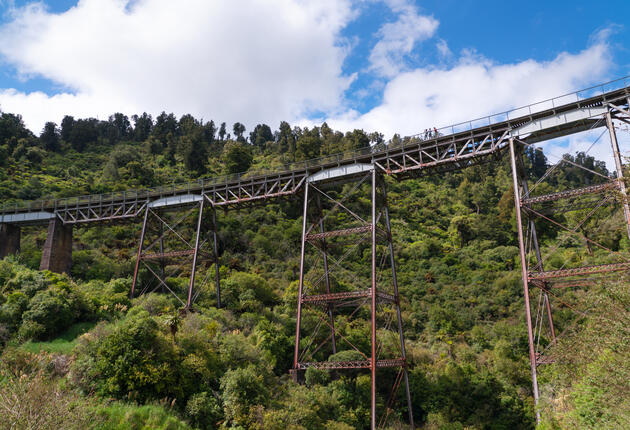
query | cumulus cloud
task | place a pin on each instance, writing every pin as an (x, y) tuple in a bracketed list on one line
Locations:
[(594, 142), (397, 39), (250, 61), (258, 61), (473, 87)]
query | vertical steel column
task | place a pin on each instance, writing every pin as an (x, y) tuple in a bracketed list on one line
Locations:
[(619, 168), (395, 282), (300, 287), (217, 280), (135, 271), (162, 271), (327, 275), (532, 226), (194, 262), (373, 358), (540, 262), (521, 245)]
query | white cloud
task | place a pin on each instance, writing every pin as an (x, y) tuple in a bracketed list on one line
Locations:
[(264, 61), (397, 39), (443, 49), (250, 61), (475, 86), (594, 142)]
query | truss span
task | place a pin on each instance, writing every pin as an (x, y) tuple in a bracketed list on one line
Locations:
[(449, 148)]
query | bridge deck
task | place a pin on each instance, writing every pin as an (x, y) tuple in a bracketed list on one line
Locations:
[(454, 147)]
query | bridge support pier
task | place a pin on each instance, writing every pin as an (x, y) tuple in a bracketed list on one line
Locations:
[(619, 168), (9, 239), (525, 276), (174, 244), (327, 289), (57, 253)]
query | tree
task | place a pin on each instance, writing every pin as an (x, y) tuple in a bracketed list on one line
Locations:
[(260, 136), (12, 126), (195, 153), (286, 139), (355, 140), (84, 131), (308, 144), (209, 130), (165, 124), (239, 129), (188, 125), (120, 127), (67, 124), (222, 132), (142, 127), (376, 138), (237, 157), (50, 137), (242, 388)]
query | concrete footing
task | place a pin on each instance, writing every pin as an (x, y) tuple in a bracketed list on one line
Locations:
[(57, 254), (9, 239)]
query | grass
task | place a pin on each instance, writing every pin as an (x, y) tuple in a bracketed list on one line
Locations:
[(62, 344), (119, 416)]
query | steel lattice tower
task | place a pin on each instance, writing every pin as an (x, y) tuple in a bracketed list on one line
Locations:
[(333, 296), (175, 240), (532, 210)]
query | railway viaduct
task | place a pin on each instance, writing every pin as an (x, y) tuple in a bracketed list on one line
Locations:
[(450, 148)]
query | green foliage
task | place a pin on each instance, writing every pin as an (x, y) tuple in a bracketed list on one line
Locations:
[(119, 416), (591, 381), (204, 410), (134, 361), (247, 292), (457, 269), (242, 389), (62, 344), (237, 157)]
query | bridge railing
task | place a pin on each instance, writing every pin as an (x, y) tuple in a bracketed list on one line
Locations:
[(207, 183), (530, 109)]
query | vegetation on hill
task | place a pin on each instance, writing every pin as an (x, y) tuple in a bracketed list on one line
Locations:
[(78, 353)]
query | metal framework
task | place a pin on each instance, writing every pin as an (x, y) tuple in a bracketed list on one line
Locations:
[(531, 210), (171, 245), (164, 249), (449, 148), (333, 296)]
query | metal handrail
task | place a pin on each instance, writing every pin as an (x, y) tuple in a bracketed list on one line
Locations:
[(146, 193)]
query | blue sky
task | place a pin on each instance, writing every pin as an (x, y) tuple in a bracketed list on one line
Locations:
[(391, 65)]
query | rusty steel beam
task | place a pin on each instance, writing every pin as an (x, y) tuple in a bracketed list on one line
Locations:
[(542, 359), (195, 254), (334, 233), (579, 271), (347, 295), (524, 276), (373, 357), (550, 284), (296, 352), (140, 245), (165, 255), (324, 250), (175, 254), (354, 364), (594, 189)]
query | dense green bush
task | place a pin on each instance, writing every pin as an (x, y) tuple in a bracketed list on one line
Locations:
[(134, 360)]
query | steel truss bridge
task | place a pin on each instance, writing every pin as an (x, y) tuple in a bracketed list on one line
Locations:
[(163, 210)]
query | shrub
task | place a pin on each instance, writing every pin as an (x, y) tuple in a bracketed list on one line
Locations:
[(204, 410), (135, 360)]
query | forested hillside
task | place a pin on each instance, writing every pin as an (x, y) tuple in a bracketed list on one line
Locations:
[(78, 353)]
